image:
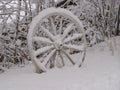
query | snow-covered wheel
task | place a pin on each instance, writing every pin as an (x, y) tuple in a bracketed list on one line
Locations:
[(54, 37)]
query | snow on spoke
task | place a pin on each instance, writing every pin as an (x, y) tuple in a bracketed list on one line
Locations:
[(67, 30), (48, 57), (48, 33), (75, 36), (60, 54), (42, 50), (43, 39), (53, 25), (61, 57), (60, 28), (75, 47), (68, 56), (39, 65)]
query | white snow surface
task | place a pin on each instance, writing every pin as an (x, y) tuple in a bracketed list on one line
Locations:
[(100, 71)]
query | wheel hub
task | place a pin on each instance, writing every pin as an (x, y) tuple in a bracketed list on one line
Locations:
[(58, 43)]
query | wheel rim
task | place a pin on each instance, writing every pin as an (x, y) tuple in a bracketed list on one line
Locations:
[(54, 32)]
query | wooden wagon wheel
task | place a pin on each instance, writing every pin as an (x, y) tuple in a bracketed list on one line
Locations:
[(55, 33)]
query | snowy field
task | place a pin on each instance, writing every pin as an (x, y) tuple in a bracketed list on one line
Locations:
[(100, 71)]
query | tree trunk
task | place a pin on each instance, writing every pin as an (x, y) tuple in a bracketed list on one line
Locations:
[(118, 22), (17, 28), (30, 10)]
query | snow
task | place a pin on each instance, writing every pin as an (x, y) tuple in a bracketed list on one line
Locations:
[(75, 36), (42, 50), (43, 39), (68, 29), (48, 57), (47, 32), (75, 47), (100, 71)]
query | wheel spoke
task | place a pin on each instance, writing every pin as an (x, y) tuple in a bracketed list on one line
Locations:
[(42, 50), (60, 54), (52, 61), (75, 36), (39, 65), (48, 33), (75, 47), (48, 57), (60, 28), (83, 58), (53, 27), (67, 30), (43, 39), (68, 56)]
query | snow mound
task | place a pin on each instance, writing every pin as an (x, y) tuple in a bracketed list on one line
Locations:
[(100, 71)]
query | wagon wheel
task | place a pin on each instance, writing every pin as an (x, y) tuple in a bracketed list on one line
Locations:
[(54, 36)]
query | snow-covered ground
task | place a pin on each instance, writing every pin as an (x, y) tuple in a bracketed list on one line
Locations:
[(100, 71)]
